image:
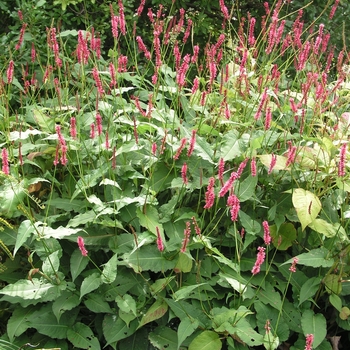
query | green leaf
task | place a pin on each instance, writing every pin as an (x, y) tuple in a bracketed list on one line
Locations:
[(156, 311), (335, 300), (4, 345), (109, 273), (149, 218), (184, 292), (11, 194), (207, 340), (19, 321), (65, 302), (250, 225), (284, 237), (52, 263), (315, 258), (115, 329), (233, 146), (333, 283), (268, 295), (90, 283), (245, 190), (280, 161), (89, 180), (307, 206), (184, 263), (126, 303), (35, 290), (97, 304), (185, 329), (78, 262), (82, 337), (247, 334), (163, 338), (315, 324), (43, 231), (25, 229), (204, 150), (309, 288), (324, 227)]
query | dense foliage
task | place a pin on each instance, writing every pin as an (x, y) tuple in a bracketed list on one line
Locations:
[(161, 194)]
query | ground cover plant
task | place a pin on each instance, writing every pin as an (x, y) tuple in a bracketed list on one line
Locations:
[(163, 199)]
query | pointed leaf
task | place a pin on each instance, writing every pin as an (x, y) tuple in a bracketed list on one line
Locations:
[(90, 283), (245, 190), (156, 311), (284, 237), (25, 229), (307, 206), (207, 340), (19, 321), (115, 329), (315, 324), (233, 145), (82, 337), (309, 288), (126, 303), (97, 304), (109, 273), (78, 262), (65, 302), (149, 218), (185, 329), (315, 258), (163, 338)]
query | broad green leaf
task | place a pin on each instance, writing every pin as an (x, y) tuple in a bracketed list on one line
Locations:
[(185, 329), (11, 194), (19, 321), (156, 311), (25, 229), (163, 338), (184, 292), (333, 283), (250, 225), (5, 345), (268, 295), (126, 303), (233, 145), (149, 218), (342, 184), (109, 273), (66, 204), (148, 258), (90, 283), (204, 150), (307, 206), (82, 337), (96, 303), (309, 288), (89, 180), (284, 237), (315, 258), (335, 300), (65, 302), (184, 263), (247, 334), (78, 262), (115, 329), (245, 190), (281, 161), (42, 118), (43, 231), (35, 290), (238, 286), (324, 227), (52, 263), (137, 341), (207, 340), (82, 219), (315, 324)]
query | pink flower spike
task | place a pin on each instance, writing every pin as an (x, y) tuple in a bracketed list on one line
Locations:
[(308, 342), (182, 146), (272, 164), (184, 173), (253, 167), (160, 244), (192, 143), (99, 124), (234, 203), (140, 8), (259, 260), (267, 235), (81, 246), (342, 158), (228, 184), (221, 169), (92, 131), (9, 72), (5, 162), (187, 234), (73, 128), (210, 195), (293, 266), (334, 7)]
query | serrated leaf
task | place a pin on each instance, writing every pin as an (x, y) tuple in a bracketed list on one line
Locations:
[(307, 206), (78, 262), (207, 340), (82, 337), (90, 284), (315, 324), (315, 258), (309, 288), (156, 311), (109, 273)]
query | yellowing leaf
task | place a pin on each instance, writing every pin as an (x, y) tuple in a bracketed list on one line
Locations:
[(307, 206)]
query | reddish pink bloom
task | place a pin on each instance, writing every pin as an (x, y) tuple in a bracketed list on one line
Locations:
[(182, 146), (188, 31), (114, 158), (241, 167), (73, 128), (293, 105), (122, 25), (195, 54), (20, 15), (196, 227), (319, 39), (242, 233), (260, 258), (21, 34), (224, 9), (184, 173), (82, 50), (268, 118), (106, 140), (99, 123), (292, 150), (156, 46), (267, 235), (228, 184), (112, 74), (115, 24), (160, 244), (142, 47), (181, 74), (92, 131), (98, 81), (251, 38), (122, 63), (342, 158), (233, 202), (154, 148), (267, 326), (308, 342), (203, 98), (81, 245), (33, 53), (5, 162), (272, 164), (162, 148), (140, 8), (210, 195), (253, 167), (187, 234), (293, 266), (262, 103), (192, 143), (221, 169), (303, 56), (9, 72), (333, 9), (138, 106), (195, 85)]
